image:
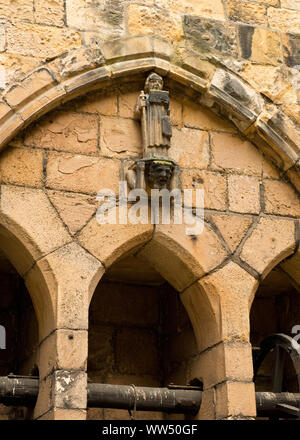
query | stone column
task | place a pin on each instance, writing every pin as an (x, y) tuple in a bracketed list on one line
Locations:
[(224, 363), (71, 275)]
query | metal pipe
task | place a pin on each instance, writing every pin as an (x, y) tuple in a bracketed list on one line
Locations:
[(23, 391)]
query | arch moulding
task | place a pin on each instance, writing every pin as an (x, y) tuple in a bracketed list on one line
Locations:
[(208, 83)]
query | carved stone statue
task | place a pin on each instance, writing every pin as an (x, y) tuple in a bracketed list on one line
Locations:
[(155, 170), (153, 110)]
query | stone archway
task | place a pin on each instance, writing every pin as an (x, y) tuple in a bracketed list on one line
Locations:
[(219, 89)]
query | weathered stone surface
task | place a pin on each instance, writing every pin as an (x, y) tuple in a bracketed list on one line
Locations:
[(36, 83), (64, 414), (232, 153), (106, 17), (210, 35), (284, 19), (233, 228), (232, 289), (119, 137), (79, 60), (190, 148), (291, 49), (99, 104), (260, 45), (74, 209), (226, 361), (65, 131), (63, 349), (269, 80), (250, 12), (40, 41), (69, 389), (269, 170), (32, 212), (49, 12), (72, 275), (235, 399), (270, 242), (2, 39), (15, 67), (196, 116), (238, 90), (281, 198), (149, 20), (179, 258), (290, 4), (19, 9), (214, 185), (82, 173), (127, 102), (192, 61), (244, 194), (20, 166), (113, 241)]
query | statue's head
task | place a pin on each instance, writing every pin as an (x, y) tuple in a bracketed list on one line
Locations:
[(153, 82), (159, 174)]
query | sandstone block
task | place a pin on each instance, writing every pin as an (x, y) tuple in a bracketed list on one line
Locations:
[(179, 258), (74, 209), (235, 399), (69, 389), (15, 10), (72, 275), (244, 194), (63, 349), (108, 17), (79, 60), (50, 12), (36, 83), (270, 242), (113, 241), (196, 116), (20, 166), (260, 45), (31, 211), (213, 184), (233, 228), (118, 135), (127, 102), (250, 12), (210, 35), (232, 289), (99, 104), (226, 361), (190, 148), (65, 131), (147, 20), (80, 173), (284, 19), (232, 153), (281, 198), (40, 41)]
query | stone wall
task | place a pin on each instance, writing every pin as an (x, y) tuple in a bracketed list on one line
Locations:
[(70, 75), (259, 40)]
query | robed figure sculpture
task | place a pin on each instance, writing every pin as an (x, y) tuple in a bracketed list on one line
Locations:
[(153, 110), (155, 170)]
